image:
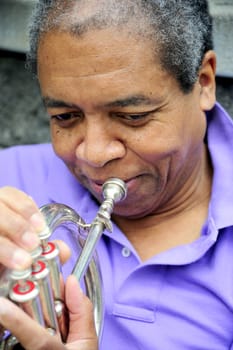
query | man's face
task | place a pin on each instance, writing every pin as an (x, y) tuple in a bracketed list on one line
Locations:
[(116, 113)]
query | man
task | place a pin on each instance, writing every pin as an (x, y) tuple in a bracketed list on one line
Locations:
[(130, 90)]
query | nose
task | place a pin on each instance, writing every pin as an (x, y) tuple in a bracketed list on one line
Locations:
[(100, 145)]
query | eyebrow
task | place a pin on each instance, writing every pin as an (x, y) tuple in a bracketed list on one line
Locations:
[(134, 100), (53, 103)]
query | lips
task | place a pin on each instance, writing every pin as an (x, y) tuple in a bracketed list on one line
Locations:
[(96, 185)]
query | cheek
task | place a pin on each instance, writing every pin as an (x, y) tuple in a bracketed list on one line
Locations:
[(63, 143), (170, 144), (157, 143)]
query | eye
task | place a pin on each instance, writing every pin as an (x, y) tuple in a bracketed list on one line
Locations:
[(66, 119), (134, 119)]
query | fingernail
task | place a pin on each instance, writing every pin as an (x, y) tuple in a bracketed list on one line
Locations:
[(21, 259), (30, 240), (37, 221)]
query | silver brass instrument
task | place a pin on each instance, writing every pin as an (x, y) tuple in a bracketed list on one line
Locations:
[(37, 289)]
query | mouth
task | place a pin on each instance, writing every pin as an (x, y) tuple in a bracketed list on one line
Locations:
[(96, 186)]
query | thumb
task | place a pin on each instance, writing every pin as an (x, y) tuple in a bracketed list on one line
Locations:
[(81, 318)]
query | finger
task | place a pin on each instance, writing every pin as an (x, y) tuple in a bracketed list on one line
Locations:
[(12, 256), (80, 313), (19, 215), (20, 222), (19, 202), (28, 332), (17, 228), (15, 245), (64, 251)]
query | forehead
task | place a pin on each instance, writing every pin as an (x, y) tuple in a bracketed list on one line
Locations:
[(100, 65), (100, 47)]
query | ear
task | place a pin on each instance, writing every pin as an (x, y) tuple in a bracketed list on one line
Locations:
[(207, 81)]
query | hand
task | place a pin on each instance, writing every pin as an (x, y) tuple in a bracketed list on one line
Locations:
[(32, 336), (20, 223)]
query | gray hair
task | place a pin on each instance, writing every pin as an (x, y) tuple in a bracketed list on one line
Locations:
[(179, 30)]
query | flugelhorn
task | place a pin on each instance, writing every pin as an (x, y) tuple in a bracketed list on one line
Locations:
[(37, 289)]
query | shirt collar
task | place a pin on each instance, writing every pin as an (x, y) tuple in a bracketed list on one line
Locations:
[(220, 145)]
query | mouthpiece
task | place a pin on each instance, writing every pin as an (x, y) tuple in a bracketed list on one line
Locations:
[(114, 189)]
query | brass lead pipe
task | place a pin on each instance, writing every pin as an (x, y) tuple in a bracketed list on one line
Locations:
[(114, 190)]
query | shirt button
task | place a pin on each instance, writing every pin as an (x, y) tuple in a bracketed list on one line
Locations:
[(125, 252)]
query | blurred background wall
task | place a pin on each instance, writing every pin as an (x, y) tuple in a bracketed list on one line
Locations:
[(22, 116)]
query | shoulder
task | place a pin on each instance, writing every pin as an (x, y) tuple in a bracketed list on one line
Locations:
[(36, 170), (24, 152), (20, 163)]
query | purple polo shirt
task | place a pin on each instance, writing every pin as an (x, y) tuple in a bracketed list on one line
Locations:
[(180, 299)]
